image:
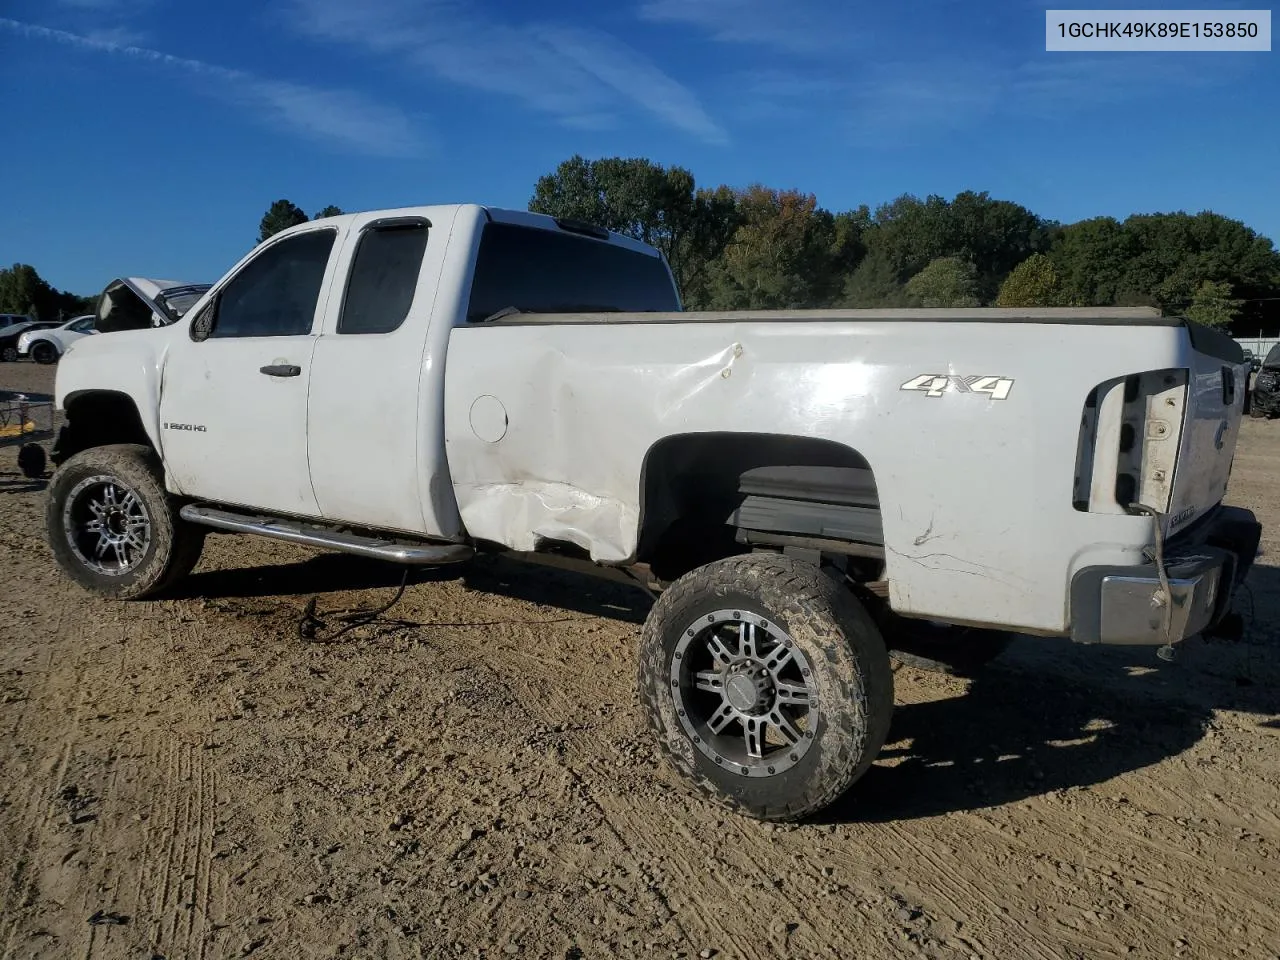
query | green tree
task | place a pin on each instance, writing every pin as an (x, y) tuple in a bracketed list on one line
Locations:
[(1090, 258), (1212, 305), (992, 235), (281, 215), (946, 282), (1032, 283), (23, 290), (658, 205), (329, 211), (787, 253), (1173, 255), (874, 283)]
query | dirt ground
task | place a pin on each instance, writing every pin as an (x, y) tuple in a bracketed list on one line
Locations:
[(188, 778)]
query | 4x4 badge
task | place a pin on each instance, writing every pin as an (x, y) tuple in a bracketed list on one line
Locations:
[(935, 385)]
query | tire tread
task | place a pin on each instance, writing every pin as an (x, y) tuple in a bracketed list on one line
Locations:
[(783, 584)]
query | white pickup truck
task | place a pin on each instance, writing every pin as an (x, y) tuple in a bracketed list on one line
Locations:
[(424, 383)]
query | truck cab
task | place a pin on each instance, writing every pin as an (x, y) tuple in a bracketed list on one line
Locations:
[(308, 380)]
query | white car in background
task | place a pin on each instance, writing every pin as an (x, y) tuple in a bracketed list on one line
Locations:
[(46, 346)]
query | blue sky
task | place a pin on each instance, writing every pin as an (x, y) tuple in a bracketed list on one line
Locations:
[(149, 136)]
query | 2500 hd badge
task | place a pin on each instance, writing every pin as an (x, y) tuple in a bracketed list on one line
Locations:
[(197, 427)]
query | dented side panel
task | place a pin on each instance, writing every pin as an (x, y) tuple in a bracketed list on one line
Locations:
[(971, 431)]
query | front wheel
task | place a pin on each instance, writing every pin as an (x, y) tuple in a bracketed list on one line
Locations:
[(113, 527), (767, 684), (44, 352), (9, 354)]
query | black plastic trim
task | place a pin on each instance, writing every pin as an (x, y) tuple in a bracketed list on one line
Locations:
[(391, 223), (571, 225), (1214, 343)]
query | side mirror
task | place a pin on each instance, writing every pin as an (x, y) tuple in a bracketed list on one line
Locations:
[(202, 325)]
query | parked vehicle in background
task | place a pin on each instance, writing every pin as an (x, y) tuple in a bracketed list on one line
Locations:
[(421, 384), (48, 342), (1252, 360), (8, 320), (11, 337), (1265, 401)]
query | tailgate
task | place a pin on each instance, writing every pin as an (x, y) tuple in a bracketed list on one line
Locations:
[(1218, 379)]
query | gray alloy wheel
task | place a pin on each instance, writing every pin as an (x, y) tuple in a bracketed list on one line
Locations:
[(112, 526), (766, 683)]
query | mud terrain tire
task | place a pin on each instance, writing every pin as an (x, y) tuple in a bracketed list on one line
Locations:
[(831, 636), (108, 504)]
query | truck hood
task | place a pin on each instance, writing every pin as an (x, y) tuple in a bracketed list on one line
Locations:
[(132, 303)]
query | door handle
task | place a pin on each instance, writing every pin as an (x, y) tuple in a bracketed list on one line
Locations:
[(280, 370)]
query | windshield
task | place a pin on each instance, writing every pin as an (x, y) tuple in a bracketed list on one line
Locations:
[(178, 300), (1273, 357), (546, 271)]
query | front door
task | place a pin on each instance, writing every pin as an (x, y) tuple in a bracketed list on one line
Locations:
[(233, 404)]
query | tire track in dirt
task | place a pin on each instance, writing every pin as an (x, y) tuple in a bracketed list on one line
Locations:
[(506, 720), (37, 818), (175, 884), (597, 762)]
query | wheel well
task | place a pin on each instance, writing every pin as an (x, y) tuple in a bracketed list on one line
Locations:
[(97, 418), (691, 489)]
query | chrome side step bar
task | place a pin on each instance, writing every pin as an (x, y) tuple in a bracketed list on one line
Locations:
[(326, 538)]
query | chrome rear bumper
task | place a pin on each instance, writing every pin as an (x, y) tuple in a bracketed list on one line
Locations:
[(1126, 605)]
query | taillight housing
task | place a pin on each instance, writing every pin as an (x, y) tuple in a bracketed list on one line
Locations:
[(1130, 431)]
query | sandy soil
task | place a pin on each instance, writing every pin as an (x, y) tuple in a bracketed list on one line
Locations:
[(188, 778)]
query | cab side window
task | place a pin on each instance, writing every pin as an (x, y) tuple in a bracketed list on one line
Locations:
[(275, 295), (384, 277)]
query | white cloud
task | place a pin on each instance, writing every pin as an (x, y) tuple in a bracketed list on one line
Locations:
[(579, 76), (949, 95), (338, 117), (795, 26), (116, 36), (633, 77), (99, 4)]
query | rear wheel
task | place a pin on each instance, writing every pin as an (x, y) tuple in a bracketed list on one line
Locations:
[(9, 354), (43, 351), (112, 526), (767, 684)]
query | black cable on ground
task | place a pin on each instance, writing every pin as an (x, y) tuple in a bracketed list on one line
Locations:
[(310, 622)]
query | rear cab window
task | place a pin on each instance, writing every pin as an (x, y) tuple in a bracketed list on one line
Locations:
[(536, 270), (383, 278)]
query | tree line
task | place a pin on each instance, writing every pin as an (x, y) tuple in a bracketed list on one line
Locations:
[(23, 290), (762, 248), (757, 247)]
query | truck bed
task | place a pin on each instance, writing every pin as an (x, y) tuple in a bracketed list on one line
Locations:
[(1101, 316)]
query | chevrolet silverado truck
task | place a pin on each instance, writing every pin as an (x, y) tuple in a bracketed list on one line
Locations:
[(794, 487)]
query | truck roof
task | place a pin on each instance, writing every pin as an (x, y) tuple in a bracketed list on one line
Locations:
[(443, 211)]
